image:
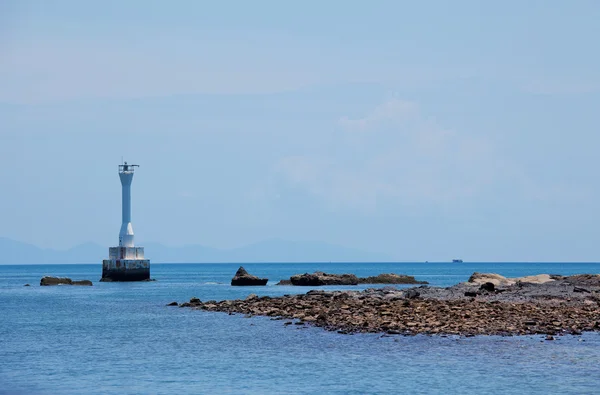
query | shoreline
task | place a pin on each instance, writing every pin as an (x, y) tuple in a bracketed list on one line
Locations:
[(566, 305)]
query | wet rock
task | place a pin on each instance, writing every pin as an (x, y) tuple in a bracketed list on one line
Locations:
[(243, 278), (27, 285), (49, 280), (195, 301), (470, 294), (549, 337), (284, 282), (411, 294), (173, 304), (252, 297), (489, 287)]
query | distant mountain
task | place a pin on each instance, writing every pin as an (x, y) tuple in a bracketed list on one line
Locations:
[(16, 252), (273, 250)]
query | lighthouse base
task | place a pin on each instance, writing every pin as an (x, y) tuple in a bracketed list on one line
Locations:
[(125, 270)]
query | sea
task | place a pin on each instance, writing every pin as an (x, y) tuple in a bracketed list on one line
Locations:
[(121, 338)]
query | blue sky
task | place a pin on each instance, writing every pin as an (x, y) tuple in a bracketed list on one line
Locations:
[(425, 130)]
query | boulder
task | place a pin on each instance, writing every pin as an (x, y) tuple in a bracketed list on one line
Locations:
[(493, 278), (498, 280), (49, 280), (489, 287), (242, 277), (321, 278), (390, 278), (411, 294)]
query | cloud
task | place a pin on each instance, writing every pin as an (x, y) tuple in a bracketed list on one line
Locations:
[(561, 87), (393, 110), (403, 158)]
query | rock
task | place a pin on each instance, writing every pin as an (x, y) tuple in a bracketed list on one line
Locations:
[(390, 278), (470, 294), (82, 282), (482, 278), (173, 304), (584, 279), (537, 279), (549, 337), (195, 300), (27, 285), (252, 297), (579, 289), (243, 278), (498, 280), (411, 294), (49, 280), (489, 287), (549, 309), (321, 278)]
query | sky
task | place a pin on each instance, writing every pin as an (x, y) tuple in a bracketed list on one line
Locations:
[(426, 130)]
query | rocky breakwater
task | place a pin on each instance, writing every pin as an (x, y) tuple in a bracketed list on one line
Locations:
[(49, 280), (320, 278), (432, 310), (242, 278)]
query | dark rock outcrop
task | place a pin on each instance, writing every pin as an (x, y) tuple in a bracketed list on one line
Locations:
[(242, 277), (27, 285), (49, 280), (173, 304), (390, 278), (320, 278), (82, 282)]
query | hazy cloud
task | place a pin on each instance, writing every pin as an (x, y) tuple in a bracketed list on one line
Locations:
[(406, 159)]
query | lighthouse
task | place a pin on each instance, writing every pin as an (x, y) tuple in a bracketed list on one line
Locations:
[(126, 262)]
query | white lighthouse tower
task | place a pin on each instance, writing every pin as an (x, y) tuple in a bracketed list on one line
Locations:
[(126, 262)]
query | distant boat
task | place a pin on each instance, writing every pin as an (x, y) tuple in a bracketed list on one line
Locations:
[(457, 261)]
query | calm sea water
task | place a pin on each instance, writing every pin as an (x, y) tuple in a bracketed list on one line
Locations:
[(120, 338)]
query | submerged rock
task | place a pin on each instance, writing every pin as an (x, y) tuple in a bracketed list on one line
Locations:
[(242, 277), (173, 304), (49, 280)]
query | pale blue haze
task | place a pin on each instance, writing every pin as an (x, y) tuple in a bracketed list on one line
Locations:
[(421, 130), (121, 338)]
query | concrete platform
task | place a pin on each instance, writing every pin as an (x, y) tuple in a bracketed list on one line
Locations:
[(125, 270)]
